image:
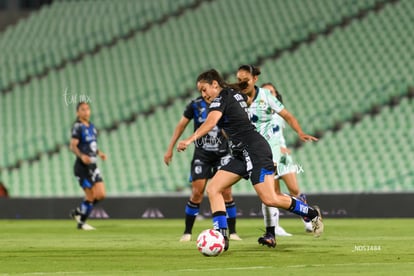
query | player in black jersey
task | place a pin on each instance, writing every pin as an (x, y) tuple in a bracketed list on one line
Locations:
[(84, 145), (252, 156), (211, 152)]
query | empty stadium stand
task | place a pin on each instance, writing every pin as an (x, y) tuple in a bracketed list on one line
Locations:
[(339, 60)]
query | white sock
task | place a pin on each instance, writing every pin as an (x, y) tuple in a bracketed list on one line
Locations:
[(270, 216)]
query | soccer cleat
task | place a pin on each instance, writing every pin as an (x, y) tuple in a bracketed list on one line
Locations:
[(279, 231), (226, 243), (317, 223), (267, 239), (223, 231), (85, 226), (75, 215), (234, 237), (185, 237)]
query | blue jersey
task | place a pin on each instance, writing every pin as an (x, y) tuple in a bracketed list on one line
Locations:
[(87, 136), (214, 140)]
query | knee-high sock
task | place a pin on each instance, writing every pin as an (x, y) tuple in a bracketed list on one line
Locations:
[(302, 209), (191, 211), (231, 216), (220, 222), (271, 218), (85, 210)]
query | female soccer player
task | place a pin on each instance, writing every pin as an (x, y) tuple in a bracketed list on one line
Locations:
[(211, 152), (252, 156), (263, 108), (289, 170), (84, 145)]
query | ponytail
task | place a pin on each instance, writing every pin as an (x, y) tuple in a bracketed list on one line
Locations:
[(278, 94)]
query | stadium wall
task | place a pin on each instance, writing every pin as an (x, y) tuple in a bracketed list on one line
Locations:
[(249, 206)]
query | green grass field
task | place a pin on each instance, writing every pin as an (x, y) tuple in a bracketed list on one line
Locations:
[(151, 247)]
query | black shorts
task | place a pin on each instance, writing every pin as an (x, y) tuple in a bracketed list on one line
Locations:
[(87, 175), (253, 160), (206, 163)]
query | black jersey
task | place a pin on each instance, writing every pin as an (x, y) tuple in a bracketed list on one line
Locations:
[(87, 136), (235, 118), (214, 140), (251, 152)]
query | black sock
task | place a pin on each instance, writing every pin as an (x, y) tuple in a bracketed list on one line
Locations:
[(231, 223), (191, 211), (189, 222), (270, 230), (231, 216), (312, 213)]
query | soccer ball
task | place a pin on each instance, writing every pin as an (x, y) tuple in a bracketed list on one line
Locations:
[(210, 242)]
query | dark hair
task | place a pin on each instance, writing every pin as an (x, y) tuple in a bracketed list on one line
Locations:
[(79, 104), (255, 71), (212, 75), (278, 94), (77, 108)]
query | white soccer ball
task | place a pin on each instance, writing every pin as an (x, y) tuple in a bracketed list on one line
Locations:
[(210, 242)]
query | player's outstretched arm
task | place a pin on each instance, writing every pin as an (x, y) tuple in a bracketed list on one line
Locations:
[(294, 124), (210, 122), (178, 131)]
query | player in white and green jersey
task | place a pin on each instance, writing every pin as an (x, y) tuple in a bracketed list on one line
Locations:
[(287, 169), (262, 109)]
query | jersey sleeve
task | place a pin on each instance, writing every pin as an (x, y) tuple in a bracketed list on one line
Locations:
[(189, 111), (274, 103), (76, 131), (218, 104)]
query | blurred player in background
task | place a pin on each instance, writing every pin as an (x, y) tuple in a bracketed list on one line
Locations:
[(84, 145), (251, 153), (288, 168), (262, 109), (211, 152)]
